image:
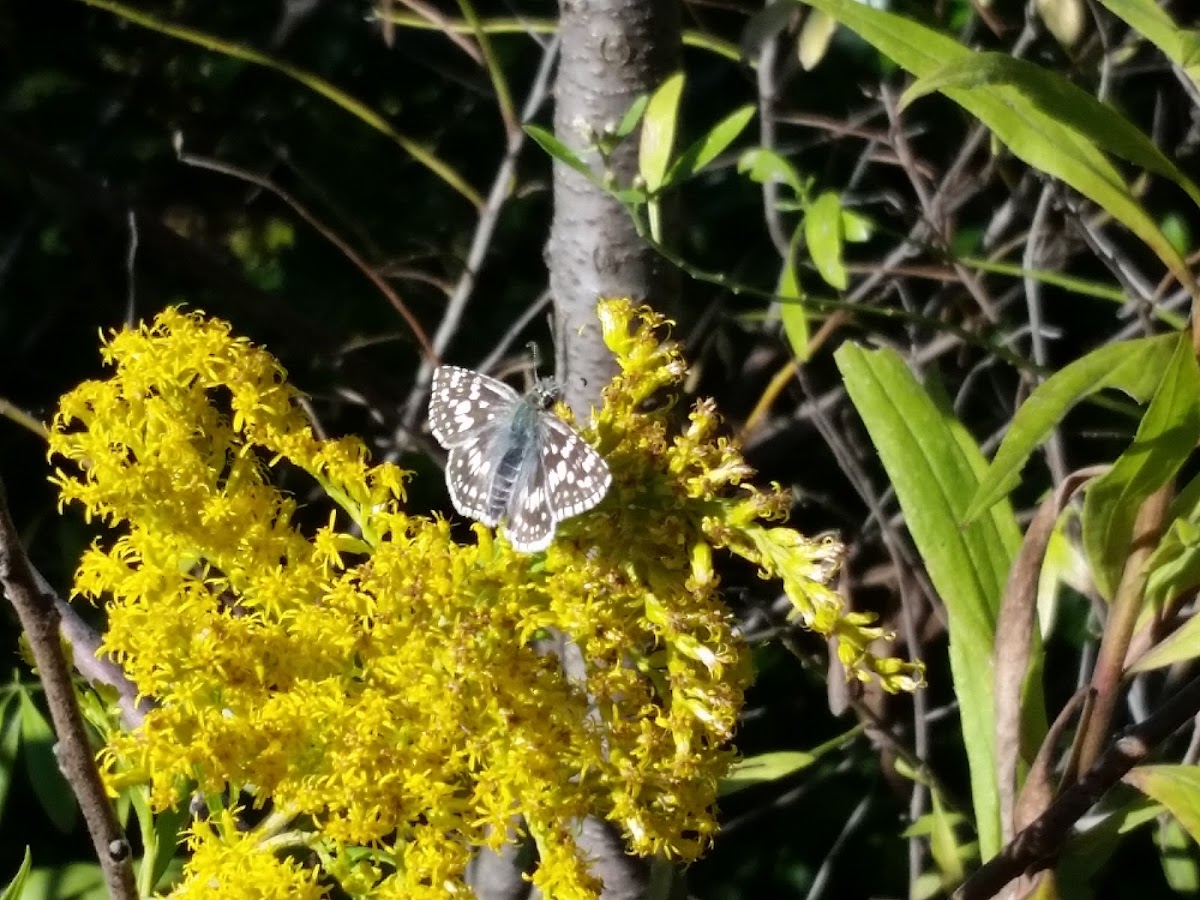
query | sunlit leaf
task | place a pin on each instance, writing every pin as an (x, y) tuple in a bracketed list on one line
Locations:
[(823, 234), (1166, 437), (659, 124), (1134, 367), (15, 889), (935, 468), (710, 146), (1033, 134), (1177, 787)]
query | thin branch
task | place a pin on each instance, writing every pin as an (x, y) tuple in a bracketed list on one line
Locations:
[(213, 165), (40, 621), (489, 219)]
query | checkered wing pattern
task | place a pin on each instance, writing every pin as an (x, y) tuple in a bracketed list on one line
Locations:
[(509, 453), (468, 478), (569, 478), (465, 404)]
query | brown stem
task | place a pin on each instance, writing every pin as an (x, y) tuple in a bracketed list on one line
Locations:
[(1035, 845), (40, 621), (1118, 630)]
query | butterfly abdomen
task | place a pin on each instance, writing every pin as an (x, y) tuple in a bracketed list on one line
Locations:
[(519, 453)]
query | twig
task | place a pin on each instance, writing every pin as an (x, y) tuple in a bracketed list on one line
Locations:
[(489, 218), (213, 165), (40, 622)]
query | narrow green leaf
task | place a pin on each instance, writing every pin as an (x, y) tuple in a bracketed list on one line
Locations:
[(935, 470), (1053, 95), (767, 767), (558, 150), (762, 165), (1030, 133), (659, 124), (632, 116), (763, 768), (792, 313), (1176, 787), (160, 838), (943, 844), (1165, 438), (1181, 645), (1087, 852), (10, 742), (52, 790), (710, 146), (823, 233), (74, 881), (1134, 367), (1180, 46), (15, 888), (1174, 567)]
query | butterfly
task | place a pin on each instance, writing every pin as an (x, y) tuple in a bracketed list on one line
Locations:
[(511, 459)]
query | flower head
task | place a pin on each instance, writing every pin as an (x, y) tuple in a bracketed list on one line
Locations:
[(385, 687)]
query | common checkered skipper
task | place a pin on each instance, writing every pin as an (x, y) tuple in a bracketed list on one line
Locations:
[(511, 458)]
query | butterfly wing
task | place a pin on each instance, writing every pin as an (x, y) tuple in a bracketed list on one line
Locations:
[(576, 476), (530, 521), (469, 478), (463, 404)]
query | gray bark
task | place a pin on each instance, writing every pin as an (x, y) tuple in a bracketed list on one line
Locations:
[(612, 51)]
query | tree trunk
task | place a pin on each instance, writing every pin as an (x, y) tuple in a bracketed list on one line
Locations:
[(611, 52)]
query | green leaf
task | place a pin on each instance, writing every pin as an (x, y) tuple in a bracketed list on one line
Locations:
[(709, 147), (1179, 646), (1165, 438), (10, 742), (160, 838), (1176, 787), (823, 233), (1178, 860), (763, 768), (658, 132), (814, 38), (935, 468), (74, 881), (1134, 367), (792, 313), (767, 767), (632, 116), (762, 165), (51, 788), (856, 228), (558, 150), (1031, 133), (1180, 46), (14, 890), (1053, 95), (943, 844), (1087, 852)]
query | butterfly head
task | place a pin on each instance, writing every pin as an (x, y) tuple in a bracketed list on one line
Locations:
[(545, 393)]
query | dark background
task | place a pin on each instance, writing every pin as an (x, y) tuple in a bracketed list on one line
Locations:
[(89, 105)]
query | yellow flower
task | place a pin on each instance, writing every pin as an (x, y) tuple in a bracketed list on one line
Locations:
[(394, 688), (228, 865)]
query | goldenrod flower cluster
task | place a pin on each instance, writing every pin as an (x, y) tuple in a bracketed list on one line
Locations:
[(399, 699)]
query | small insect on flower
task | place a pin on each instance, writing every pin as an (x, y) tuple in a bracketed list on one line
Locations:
[(511, 458)]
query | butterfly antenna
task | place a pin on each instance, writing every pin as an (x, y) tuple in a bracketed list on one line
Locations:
[(535, 363)]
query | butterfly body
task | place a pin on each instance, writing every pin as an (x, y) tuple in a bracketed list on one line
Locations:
[(511, 459)]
